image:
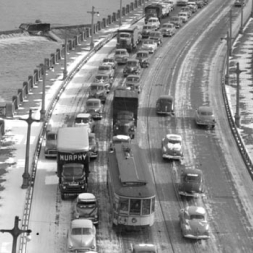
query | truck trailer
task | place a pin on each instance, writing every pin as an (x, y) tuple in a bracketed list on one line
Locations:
[(128, 38), (125, 110), (73, 160), (153, 10)]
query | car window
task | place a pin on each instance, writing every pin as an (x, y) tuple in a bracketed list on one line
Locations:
[(197, 217), (81, 231), (82, 120), (89, 103), (188, 178), (51, 136), (103, 68), (86, 205)]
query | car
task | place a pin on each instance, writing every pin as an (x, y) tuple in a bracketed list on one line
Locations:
[(143, 57), (164, 105), (187, 9), (146, 30), (132, 67), (144, 248), (168, 29), (81, 236), (193, 222), (204, 116), (239, 3), (200, 3), (193, 6), (191, 183), (86, 207), (99, 90), (182, 2), (184, 16), (154, 21), (149, 45), (106, 69), (50, 150), (105, 79), (157, 37), (109, 61), (94, 107), (172, 147), (177, 21), (85, 119), (93, 146), (119, 139), (121, 56), (133, 83)]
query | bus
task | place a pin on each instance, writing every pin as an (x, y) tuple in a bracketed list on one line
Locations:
[(131, 188)]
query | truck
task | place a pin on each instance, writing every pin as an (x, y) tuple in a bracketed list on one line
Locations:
[(73, 160), (128, 38), (125, 112), (153, 10)]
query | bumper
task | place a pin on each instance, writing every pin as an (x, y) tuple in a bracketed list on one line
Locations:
[(173, 157), (197, 237), (187, 194), (50, 153)]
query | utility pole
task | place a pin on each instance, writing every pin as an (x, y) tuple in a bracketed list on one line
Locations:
[(26, 175), (92, 12), (15, 232), (252, 8), (65, 71), (43, 111), (230, 32), (237, 113), (228, 39)]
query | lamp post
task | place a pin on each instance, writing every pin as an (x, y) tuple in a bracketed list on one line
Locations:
[(230, 32), (252, 9), (228, 39), (92, 12), (120, 13), (237, 113), (43, 111), (241, 28), (65, 71), (15, 232), (26, 175)]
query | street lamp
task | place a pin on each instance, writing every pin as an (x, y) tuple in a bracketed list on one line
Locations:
[(241, 28), (15, 232), (92, 12), (120, 13), (228, 39), (252, 9), (65, 71), (237, 113), (26, 175)]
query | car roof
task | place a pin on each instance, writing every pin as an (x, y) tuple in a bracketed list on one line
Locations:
[(97, 84), (205, 108), (120, 49), (143, 51), (144, 247), (77, 223), (191, 171), (173, 137), (93, 100), (100, 74), (132, 60), (169, 97), (120, 137), (83, 115), (133, 75), (86, 197), (195, 210)]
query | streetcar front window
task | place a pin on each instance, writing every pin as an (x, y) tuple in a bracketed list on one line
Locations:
[(123, 205), (135, 206), (146, 203)]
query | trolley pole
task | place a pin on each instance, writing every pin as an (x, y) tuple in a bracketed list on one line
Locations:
[(15, 232), (237, 114), (26, 175)]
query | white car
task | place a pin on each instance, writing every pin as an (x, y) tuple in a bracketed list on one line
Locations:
[(172, 147), (168, 29), (149, 45), (184, 16), (85, 119), (154, 21), (144, 248), (81, 236)]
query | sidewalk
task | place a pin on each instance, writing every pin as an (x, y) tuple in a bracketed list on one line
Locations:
[(15, 201)]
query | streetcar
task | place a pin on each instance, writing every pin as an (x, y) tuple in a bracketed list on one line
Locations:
[(131, 188)]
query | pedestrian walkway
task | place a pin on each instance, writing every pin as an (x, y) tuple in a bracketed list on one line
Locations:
[(13, 150)]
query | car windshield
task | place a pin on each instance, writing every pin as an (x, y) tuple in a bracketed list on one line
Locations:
[(167, 26), (192, 178), (165, 102), (86, 204), (101, 78), (125, 116), (81, 231), (108, 60), (132, 63), (96, 87), (51, 136), (145, 27), (92, 103), (104, 68), (133, 79), (82, 120), (141, 55), (148, 42), (205, 113), (173, 141), (92, 140), (120, 52), (124, 35), (197, 217)]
